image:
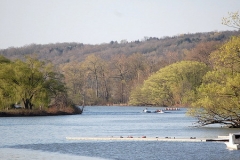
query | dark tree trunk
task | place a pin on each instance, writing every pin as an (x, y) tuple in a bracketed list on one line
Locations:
[(27, 104)]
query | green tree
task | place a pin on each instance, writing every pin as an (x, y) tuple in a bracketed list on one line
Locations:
[(172, 85), (219, 96), (5, 94), (4, 59), (33, 83)]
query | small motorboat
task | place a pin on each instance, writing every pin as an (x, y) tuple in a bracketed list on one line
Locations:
[(146, 111)]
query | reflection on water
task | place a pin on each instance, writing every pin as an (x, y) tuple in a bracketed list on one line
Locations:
[(141, 150), (23, 154), (49, 134)]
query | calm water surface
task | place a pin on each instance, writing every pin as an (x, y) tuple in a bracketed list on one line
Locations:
[(45, 137)]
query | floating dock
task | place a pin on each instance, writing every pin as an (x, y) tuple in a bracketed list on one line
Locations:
[(172, 139)]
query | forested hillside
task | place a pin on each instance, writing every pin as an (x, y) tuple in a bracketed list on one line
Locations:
[(108, 73), (168, 48)]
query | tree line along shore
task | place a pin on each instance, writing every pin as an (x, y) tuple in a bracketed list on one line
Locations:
[(199, 70)]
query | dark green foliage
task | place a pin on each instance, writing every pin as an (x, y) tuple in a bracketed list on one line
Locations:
[(4, 59)]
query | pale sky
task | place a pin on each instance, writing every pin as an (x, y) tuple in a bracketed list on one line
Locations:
[(23, 22)]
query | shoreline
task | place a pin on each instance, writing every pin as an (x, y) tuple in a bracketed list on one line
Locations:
[(32, 113)]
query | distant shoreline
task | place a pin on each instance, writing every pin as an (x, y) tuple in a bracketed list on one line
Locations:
[(32, 113)]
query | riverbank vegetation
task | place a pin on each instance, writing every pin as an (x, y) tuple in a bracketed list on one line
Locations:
[(35, 86), (108, 73), (199, 70), (173, 85), (70, 110), (218, 97)]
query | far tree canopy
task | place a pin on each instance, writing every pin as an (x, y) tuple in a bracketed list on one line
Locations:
[(173, 85)]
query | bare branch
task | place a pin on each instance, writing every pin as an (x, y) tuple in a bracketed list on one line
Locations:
[(232, 21)]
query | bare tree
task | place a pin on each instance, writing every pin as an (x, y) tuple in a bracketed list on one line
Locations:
[(232, 21)]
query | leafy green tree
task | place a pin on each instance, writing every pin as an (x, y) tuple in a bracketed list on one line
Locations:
[(4, 89), (172, 85), (219, 96), (4, 59), (33, 83)]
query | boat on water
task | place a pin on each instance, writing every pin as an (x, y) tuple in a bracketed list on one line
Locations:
[(146, 111), (157, 111), (164, 110), (171, 109), (234, 141)]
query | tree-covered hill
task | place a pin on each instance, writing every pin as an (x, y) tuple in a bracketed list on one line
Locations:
[(176, 47), (108, 73)]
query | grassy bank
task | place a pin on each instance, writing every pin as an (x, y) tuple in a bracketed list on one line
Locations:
[(46, 112)]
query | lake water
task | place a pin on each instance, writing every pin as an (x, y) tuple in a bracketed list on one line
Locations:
[(45, 137)]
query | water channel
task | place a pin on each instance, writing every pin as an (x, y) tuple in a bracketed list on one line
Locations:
[(45, 137)]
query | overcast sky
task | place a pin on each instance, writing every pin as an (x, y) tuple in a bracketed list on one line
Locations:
[(24, 22)]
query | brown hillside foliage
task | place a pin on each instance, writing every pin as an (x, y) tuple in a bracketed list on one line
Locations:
[(107, 73)]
